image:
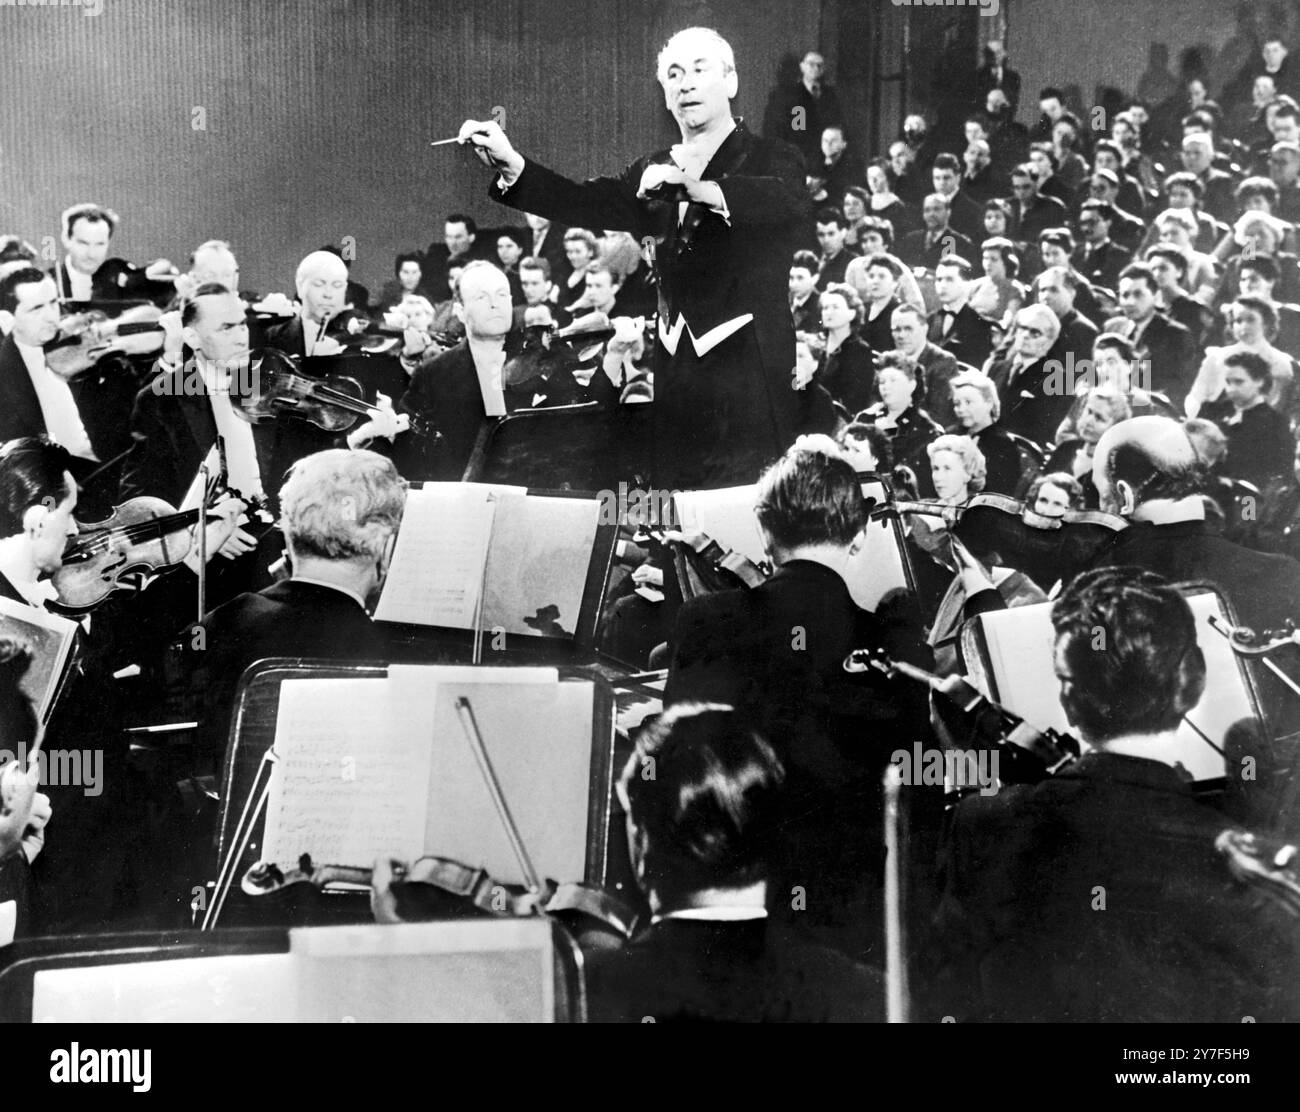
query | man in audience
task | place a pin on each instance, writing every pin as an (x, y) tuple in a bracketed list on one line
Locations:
[(459, 245), (801, 114), (926, 246), (1216, 185), (955, 326), (935, 367), (1031, 382), (548, 244), (1057, 287), (964, 213), (1125, 228), (836, 169), (1100, 258), (1166, 344), (1284, 172), (1034, 213), (805, 307), (980, 181), (832, 232), (1104, 880)]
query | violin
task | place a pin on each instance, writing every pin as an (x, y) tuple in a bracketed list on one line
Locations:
[(1027, 754), (595, 916), (86, 337), (547, 350), (1044, 548), (143, 535), (277, 388)]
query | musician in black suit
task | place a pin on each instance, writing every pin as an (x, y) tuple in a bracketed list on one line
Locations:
[(340, 512), (778, 651), (455, 392), (1031, 382), (723, 396), (1098, 894), (26, 811), (87, 274), (1166, 345), (955, 326), (703, 832), (322, 285)]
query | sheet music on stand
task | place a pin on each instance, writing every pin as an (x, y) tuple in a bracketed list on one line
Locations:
[(376, 766)]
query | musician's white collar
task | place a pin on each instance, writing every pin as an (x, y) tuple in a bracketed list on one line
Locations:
[(17, 567)]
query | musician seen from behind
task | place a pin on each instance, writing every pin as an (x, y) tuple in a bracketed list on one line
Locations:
[(724, 210), (702, 833), (1147, 470), (340, 511), (778, 650), (1097, 895)]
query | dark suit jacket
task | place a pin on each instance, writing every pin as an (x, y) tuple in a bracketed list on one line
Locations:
[(710, 272), (986, 80), (1043, 212), (1218, 200), (115, 280), (833, 730), (1174, 360), (970, 340), (20, 409), (938, 369), (444, 391), (850, 375), (966, 216), (1001, 457), (817, 114), (1101, 265), (749, 971), (914, 250), (1036, 402), (173, 419), (1178, 940), (289, 619), (1077, 336), (833, 270)]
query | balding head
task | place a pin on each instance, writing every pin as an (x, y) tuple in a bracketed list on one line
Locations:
[(1144, 460), (215, 262)]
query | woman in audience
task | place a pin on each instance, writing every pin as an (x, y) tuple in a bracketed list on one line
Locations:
[(998, 296), (997, 217), (1260, 445), (816, 411), (1253, 323), (1070, 166), (1054, 493), (876, 278), (1178, 228), (909, 428), (580, 248), (847, 372), (1260, 233), (856, 200), (1104, 406), (884, 202), (957, 466), (976, 403)]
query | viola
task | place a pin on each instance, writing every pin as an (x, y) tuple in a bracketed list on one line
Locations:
[(85, 338), (276, 388), (142, 535), (546, 350), (596, 917), (1044, 548)]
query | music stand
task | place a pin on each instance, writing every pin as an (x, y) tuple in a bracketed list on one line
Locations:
[(252, 733)]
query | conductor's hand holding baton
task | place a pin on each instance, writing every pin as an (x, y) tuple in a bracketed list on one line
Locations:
[(493, 148)]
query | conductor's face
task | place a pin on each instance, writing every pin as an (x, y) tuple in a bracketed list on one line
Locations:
[(697, 85)]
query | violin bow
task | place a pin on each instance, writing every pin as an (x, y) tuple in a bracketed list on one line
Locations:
[(475, 738)]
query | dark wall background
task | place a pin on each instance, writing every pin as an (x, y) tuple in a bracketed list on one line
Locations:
[(318, 113)]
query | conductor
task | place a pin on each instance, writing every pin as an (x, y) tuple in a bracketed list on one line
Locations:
[(720, 211)]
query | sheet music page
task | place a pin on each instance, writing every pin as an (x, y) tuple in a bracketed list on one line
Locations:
[(49, 638), (437, 568), (725, 515), (353, 774), (539, 739), (537, 564)]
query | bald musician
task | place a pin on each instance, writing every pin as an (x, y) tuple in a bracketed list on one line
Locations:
[(724, 210)]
